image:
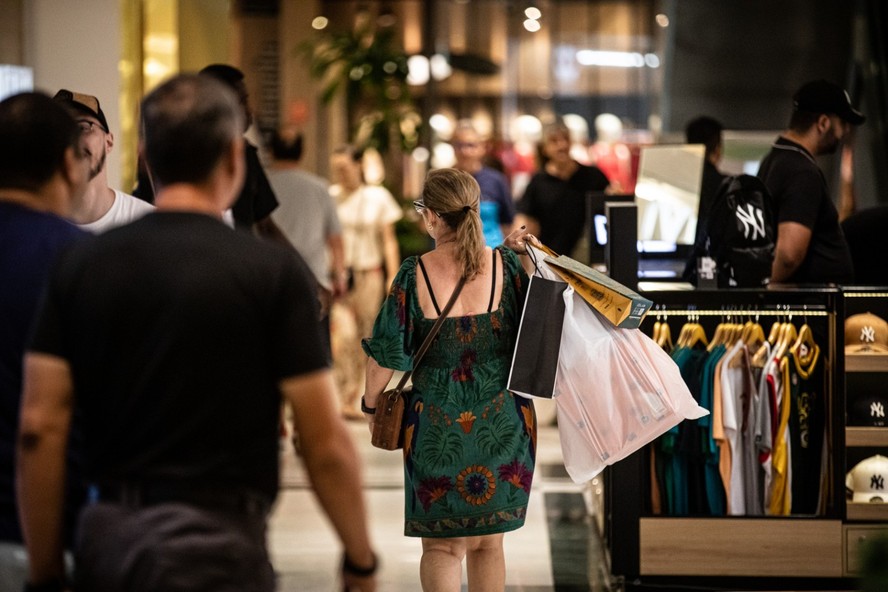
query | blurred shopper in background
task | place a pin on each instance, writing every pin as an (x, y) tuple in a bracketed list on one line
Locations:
[(256, 201), (176, 356), (497, 206), (811, 246), (368, 214), (707, 131), (43, 172), (100, 207), (306, 214), (554, 204)]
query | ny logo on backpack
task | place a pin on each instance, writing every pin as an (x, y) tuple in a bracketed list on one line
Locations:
[(739, 234)]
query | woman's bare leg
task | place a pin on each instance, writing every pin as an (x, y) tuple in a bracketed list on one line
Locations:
[(486, 563), (440, 569)]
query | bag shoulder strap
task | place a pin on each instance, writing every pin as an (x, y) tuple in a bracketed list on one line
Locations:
[(433, 333)]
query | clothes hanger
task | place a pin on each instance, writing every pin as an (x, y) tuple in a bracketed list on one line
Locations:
[(775, 332), (722, 332), (805, 349), (754, 337), (696, 335), (684, 334), (655, 333), (788, 335), (664, 339)]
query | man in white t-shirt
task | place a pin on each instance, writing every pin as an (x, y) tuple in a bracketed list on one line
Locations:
[(101, 207)]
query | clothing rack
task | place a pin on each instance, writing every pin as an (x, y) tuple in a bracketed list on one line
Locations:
[(781, 312), (642, 546)]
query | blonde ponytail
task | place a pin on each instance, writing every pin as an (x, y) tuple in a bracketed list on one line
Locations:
[(455, 196)]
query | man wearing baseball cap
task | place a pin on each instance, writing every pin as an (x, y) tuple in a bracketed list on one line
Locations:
[(101, 207), (811, 247)]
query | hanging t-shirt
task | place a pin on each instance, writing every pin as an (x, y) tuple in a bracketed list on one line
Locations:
[(780, 502), (713, 501), (736, 390), (758, 440), (805, 390), (681, 442)]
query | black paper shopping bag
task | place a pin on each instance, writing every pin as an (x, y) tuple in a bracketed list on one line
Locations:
[(535, 360)]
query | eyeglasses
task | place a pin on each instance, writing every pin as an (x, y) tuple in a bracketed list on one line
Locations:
[(86, 125), (420, 207)]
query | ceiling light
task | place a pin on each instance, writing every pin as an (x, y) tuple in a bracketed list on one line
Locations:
[(533, 13), (320, 22), (662, 20), (616, 59), (532, 25), (440, 67), (418, 70)]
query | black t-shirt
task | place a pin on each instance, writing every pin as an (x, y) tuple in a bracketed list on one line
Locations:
[(711, 181), (177, 330), (801, 195), (560, 205), (256, 200)]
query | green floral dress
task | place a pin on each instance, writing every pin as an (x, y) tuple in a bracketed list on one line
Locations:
[(469, 443)]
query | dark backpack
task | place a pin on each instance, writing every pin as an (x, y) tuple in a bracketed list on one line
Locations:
[(740, 233)]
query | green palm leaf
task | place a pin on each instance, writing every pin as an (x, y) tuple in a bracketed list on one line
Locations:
[(497, 436), (440, 446)]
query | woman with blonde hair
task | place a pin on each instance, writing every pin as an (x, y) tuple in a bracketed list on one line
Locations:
[(469, 443)]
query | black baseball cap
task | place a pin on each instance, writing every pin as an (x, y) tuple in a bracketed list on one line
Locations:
[(868, 410), (84, 103), (822, 96)]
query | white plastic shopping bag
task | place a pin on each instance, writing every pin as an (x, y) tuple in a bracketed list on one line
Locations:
[(615, 391)]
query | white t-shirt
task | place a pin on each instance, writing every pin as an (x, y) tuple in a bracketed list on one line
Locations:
[(363, 214), (124, 210)]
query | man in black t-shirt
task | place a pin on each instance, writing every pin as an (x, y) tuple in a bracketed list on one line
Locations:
[(174, 339), (256, 201), (811, 247)]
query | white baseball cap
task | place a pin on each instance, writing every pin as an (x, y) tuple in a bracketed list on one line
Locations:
[(868, 480)]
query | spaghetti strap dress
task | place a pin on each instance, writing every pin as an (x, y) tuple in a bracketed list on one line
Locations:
[(470, 445)]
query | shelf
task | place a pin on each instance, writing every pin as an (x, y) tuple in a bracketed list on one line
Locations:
[(867, 511), (866, 363), (858, 437)]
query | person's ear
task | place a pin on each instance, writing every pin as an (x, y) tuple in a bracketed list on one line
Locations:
[(109, 141), (823, 123)]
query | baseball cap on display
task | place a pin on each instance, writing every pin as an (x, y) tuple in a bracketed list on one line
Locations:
[(84, 103), (868, 479), (869, 411), (866, 334), (822, 96)]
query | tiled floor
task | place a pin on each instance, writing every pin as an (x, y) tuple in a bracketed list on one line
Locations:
[(556, 551)]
